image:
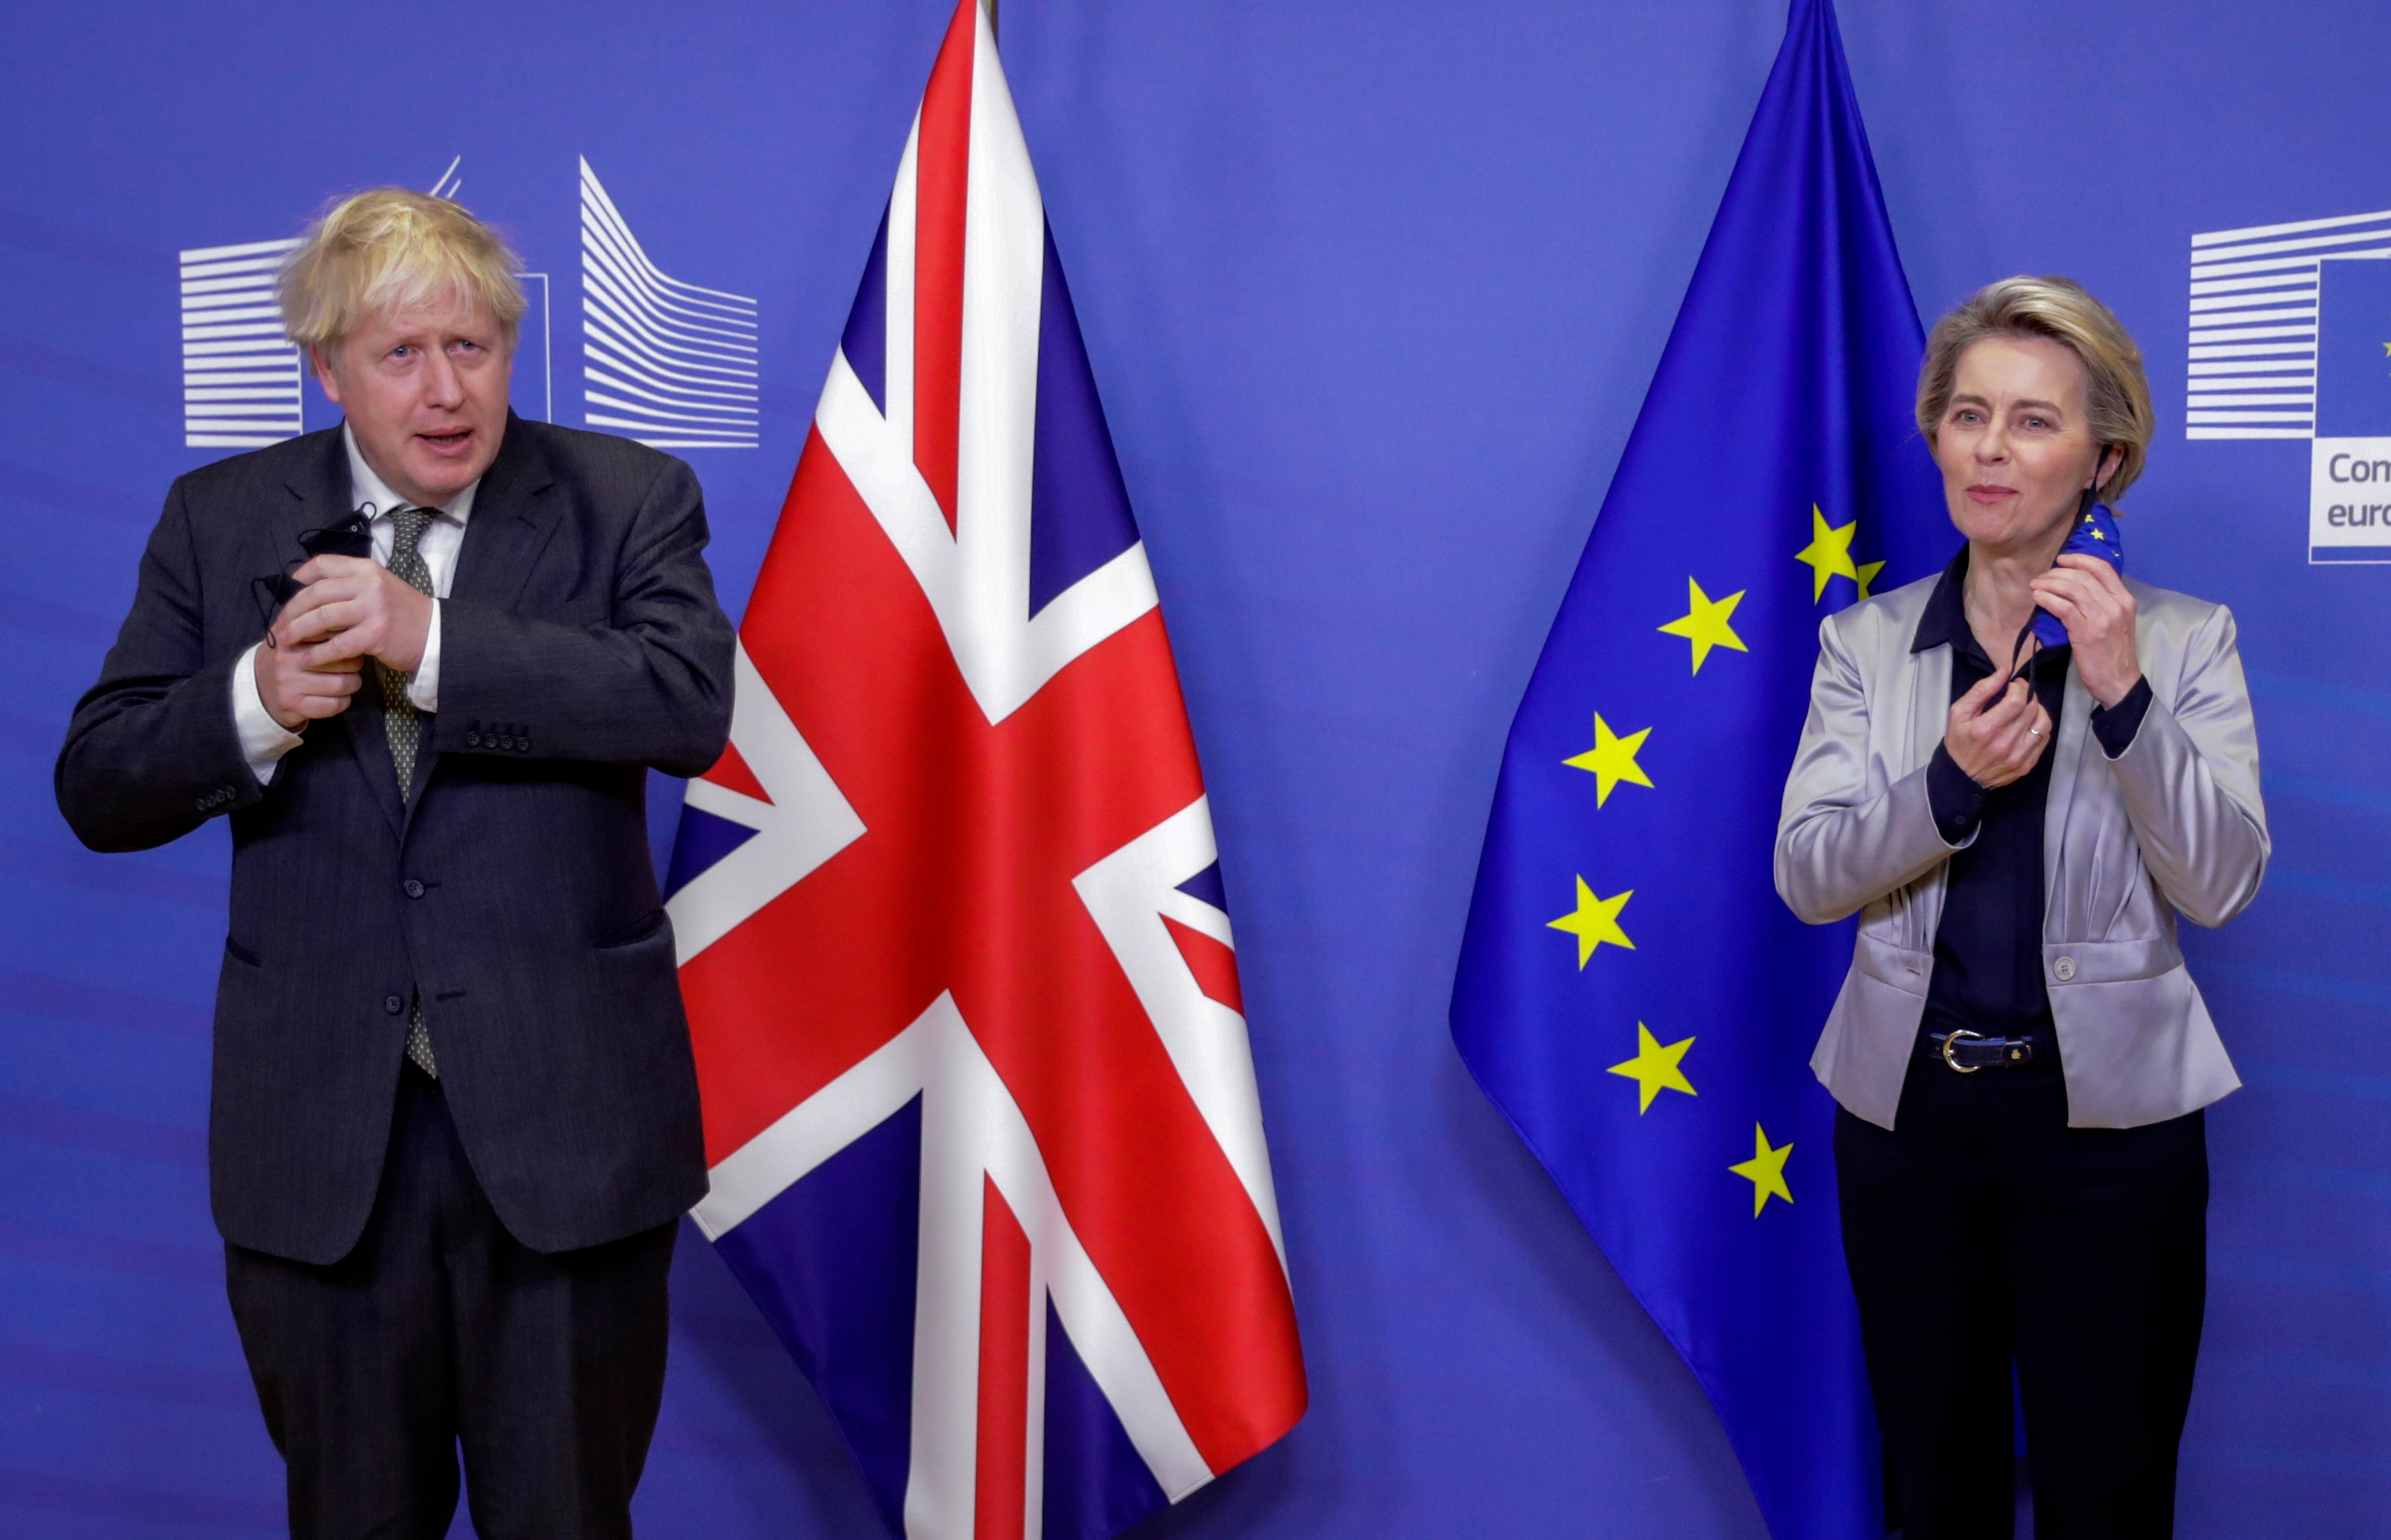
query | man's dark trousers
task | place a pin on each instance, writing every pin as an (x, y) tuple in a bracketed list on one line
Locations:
[(441, 1329), (511, 896)]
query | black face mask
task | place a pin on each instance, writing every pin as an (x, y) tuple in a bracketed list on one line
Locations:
[(350, 536)]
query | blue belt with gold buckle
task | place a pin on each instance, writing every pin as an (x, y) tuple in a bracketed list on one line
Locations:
[(1968, 1052)]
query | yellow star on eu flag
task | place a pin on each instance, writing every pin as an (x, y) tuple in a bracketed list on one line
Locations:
[(1765, 1170), (1654, 1068), (1594, 921), (1705, 623), (1830, 555), (1611, 759)]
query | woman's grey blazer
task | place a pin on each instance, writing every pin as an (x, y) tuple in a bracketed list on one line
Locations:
[(2174, 824)]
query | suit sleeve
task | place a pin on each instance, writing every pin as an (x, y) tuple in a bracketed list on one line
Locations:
[(152, 751), (2190, 783), (1837, 845), (648, 686)]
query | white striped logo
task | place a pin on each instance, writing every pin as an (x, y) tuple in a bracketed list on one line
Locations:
[(2253, 367), (241, 375), (668, 363)]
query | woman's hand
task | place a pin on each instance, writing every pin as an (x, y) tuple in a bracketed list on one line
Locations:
[(2093, 602), (1996, 734)]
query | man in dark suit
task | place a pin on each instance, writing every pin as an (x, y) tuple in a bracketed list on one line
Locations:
[(455, 1116)]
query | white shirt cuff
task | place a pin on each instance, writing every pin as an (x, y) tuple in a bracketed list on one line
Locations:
[(264, 741), (424, 688)]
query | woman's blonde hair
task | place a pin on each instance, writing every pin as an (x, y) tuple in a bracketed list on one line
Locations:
[(388, 248), (2117, 394)]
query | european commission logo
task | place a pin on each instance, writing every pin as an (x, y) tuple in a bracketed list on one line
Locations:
[(666, 361), (2290, 338)]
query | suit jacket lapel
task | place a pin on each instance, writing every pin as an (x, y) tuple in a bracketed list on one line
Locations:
[(510, 525), (320, 496), (509, 528)]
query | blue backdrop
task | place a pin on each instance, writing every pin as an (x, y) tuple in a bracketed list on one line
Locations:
[(1373, 293)]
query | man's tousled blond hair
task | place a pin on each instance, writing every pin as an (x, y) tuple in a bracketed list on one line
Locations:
[(388, 248), (2116, 395)]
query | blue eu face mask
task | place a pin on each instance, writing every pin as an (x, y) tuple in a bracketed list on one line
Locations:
[(2094, 535)]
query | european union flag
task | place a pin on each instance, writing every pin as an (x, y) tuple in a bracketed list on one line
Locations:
[(1631, 993)]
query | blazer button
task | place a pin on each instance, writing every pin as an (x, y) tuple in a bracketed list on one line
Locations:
[(505, 742), (392, 1003), (2064, 969), (472, 740), (412, 889)]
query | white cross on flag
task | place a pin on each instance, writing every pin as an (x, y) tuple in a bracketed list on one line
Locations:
[(979, 1106)]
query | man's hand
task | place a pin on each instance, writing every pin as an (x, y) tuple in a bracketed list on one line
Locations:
[(2097, 608), (1997, 732), (353, 608), (295, 693)]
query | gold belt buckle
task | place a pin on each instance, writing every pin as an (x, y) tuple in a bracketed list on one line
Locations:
[(1952, 1037)]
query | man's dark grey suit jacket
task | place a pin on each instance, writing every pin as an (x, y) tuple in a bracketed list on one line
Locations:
[(580, 643)]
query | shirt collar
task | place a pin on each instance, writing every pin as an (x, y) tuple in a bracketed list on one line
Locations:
[(1945, 621), (367, 487)]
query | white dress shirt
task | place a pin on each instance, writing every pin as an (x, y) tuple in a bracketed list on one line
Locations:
[(265, 741)]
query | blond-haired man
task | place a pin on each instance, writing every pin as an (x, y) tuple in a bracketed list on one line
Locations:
[(423, 662)]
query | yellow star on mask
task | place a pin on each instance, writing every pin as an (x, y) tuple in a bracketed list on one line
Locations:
[(1654, 1068), (1830, 555), (1705, 623), (1594, 921), (1765, 1170), (1611, 759)]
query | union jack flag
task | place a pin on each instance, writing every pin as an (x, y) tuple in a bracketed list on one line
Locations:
[(979, 1106)]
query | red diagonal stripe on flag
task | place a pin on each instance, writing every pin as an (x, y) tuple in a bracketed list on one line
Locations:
[(731, 773), (1214, 964)]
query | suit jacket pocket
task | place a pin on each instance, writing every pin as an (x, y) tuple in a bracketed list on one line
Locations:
[(633, 934)]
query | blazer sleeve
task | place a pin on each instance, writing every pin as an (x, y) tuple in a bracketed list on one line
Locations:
[(152, 751), (2190, 783), (651, 686), (1838, 845)]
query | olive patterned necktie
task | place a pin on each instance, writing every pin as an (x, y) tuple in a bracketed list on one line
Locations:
[(401, 723)]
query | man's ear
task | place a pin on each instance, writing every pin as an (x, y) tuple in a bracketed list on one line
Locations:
[(324, 374)]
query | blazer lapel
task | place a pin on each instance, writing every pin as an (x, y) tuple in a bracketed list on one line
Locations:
[(510, 525), (509, 528), (320, 496)]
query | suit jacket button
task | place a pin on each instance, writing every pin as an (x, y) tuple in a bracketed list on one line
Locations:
[(506, 741), (2064, 969), (472, 740), (412, 889), (392, 1003)]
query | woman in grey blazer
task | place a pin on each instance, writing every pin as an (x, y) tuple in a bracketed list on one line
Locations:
[(2020, 1055)]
